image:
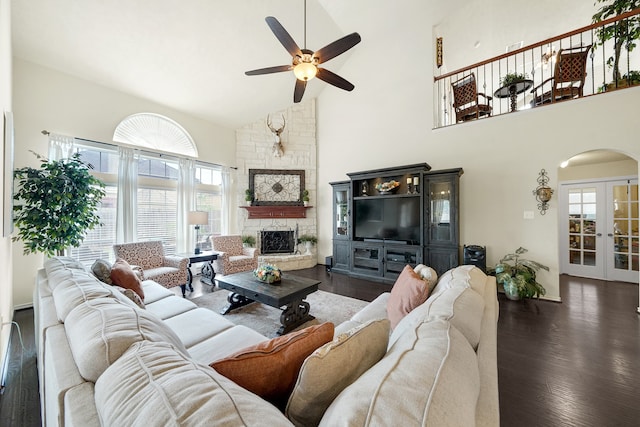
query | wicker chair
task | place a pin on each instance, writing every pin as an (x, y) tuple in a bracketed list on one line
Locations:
[(568, 78), (466, 99), (167, 270), (232, 256)]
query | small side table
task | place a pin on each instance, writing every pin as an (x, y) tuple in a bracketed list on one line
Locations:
[(513, 90), (208, 274)]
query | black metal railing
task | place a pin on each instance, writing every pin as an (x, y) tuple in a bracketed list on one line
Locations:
[(608, 62)]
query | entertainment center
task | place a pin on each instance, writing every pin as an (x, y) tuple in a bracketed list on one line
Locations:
[(387, 218)]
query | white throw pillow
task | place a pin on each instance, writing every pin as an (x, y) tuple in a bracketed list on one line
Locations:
[(333, 367)]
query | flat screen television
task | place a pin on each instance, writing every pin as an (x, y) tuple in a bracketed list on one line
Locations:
[(388, 219)]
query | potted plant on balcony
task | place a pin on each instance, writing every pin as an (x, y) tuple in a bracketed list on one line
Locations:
[(308, 241), (56, 204), (511, 78), (518, 276), (624, 34)]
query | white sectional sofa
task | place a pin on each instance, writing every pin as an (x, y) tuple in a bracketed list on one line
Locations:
[(103, 361)]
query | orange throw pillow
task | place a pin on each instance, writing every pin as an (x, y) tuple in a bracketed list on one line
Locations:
[(407, 293), (270, 369), (123, 275)]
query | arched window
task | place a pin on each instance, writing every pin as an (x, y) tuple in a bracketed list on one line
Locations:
[(156, 133)]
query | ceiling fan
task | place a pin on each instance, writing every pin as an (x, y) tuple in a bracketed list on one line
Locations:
[(305, 62)]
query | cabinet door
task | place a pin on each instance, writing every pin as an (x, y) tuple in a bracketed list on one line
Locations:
[(341, 256), (443, 259), (366, 258), (341, 212), (442, 216)]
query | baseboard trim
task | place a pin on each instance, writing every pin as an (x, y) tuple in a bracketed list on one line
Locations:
[(23, 306), (552, 299)]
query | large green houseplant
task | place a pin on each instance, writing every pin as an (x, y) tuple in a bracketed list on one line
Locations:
[(624, 33), (55, 205), (518, 275)]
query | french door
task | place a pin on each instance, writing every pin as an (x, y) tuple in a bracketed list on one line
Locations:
[(599, 230)]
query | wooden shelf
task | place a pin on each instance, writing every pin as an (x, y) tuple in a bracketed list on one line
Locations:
[(262, 212)]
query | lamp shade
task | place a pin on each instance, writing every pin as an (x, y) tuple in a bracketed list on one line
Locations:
[(198, 217)]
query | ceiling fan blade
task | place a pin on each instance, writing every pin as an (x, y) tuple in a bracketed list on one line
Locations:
[(339, 46), (269, 70), (283, 36), (299, 90), (334, 79)]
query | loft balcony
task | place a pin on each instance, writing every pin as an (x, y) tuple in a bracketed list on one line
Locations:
[(592, 60)]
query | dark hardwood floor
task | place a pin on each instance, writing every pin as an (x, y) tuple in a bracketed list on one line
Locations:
[(575, 363)]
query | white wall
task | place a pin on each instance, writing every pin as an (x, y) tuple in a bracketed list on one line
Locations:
[(6, 271), (60, 103), (387, 121)]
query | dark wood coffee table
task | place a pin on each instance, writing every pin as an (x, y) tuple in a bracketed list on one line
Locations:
[(289, 293)]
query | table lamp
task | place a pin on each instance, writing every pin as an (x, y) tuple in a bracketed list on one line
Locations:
[(197, 218)]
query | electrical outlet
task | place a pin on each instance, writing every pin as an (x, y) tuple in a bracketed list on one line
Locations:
[(528, 214)]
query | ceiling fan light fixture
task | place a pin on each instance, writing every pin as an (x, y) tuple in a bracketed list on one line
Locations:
[(305, 71)]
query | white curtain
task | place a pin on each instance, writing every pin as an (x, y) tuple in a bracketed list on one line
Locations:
[(127, 195), (185, 241), (60, 146), (226, 199)]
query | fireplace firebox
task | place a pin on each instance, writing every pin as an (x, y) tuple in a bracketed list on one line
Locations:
[(277, 242)]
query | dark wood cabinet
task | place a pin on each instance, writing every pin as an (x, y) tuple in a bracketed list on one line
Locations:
[(341, 226), (387, 218), (442, 219)]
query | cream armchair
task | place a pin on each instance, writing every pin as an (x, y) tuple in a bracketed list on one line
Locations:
[(232, 257), (167, 270)]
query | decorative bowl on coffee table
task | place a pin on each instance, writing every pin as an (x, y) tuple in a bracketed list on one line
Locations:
[(268, 273)]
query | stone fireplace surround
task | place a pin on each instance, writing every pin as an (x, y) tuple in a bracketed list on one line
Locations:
[(254, 144)]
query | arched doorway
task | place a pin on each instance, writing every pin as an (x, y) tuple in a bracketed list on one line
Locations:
[(598, 216)]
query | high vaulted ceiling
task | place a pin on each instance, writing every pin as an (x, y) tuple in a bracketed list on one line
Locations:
[(190, 55)]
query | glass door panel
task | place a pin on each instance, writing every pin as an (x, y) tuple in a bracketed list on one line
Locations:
[(623, 231), (342, 208), (583, 217)]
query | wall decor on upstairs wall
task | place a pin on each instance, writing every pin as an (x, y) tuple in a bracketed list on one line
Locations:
[(276, 187), (439, 52)]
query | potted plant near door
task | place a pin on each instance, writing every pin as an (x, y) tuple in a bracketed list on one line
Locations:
[(56, 204), (518, 276), (308, 241)]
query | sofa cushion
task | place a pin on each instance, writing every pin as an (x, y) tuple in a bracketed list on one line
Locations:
[(71, 292), (407, 293), (102, 270), (59, 263), (153, 384), (123, 275), (466, 276), (332, 367), (463, 307), (270, 369), (429, 377), (100, 330)]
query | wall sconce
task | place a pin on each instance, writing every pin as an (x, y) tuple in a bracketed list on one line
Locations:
[(543, 192)]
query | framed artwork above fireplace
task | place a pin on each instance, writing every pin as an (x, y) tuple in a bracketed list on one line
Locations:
[(276, 187)]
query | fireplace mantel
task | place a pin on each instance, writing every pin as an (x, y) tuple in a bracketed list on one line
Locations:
[(262, 212)]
